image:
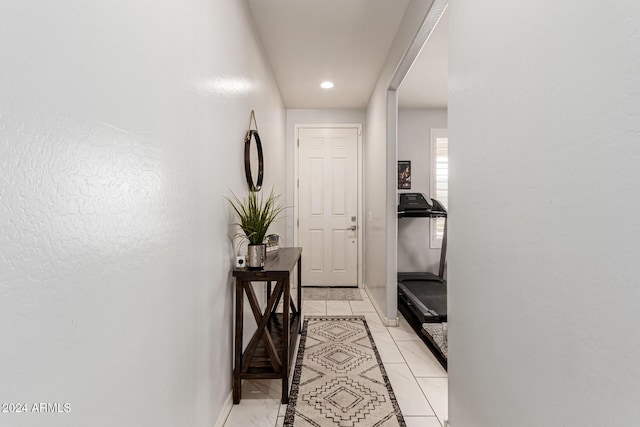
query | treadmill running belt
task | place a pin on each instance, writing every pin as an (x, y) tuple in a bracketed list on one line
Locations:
[(426, 298)]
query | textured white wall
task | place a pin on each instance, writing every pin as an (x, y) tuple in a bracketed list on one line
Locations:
[(414, 127), (121, 128), (544, 128)]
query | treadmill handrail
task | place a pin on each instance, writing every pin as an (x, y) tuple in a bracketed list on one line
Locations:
[(433, 210), (418, 213)]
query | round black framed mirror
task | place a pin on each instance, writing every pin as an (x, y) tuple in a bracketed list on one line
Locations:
[(251, 169)]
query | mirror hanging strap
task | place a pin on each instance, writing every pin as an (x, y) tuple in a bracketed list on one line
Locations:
[(252, 120)]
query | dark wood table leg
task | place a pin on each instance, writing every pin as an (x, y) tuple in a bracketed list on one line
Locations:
[(300, 292), (285, 338), (237, 385), (268, 290)]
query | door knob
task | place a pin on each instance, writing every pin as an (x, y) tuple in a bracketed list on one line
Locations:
[(352, 228)]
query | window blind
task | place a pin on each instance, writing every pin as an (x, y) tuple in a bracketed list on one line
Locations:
[(439, 180)]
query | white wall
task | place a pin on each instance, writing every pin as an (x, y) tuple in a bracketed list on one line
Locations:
[(304, 116), (121, 130), (544, 125), (414, 127), (380, 172)]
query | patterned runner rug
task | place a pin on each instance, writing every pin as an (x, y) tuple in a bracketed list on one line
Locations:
[(339, 379)]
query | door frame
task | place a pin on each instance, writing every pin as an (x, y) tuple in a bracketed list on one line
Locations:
[(359, 187)]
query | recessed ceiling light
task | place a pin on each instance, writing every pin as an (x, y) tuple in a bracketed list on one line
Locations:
[(326, 85)]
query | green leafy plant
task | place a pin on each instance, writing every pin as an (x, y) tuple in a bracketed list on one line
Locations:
[(255, 214)]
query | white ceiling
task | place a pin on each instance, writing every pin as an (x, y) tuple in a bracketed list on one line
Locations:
[(347, 42), (309, 41)]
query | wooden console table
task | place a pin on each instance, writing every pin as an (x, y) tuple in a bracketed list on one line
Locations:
[(270, 350)]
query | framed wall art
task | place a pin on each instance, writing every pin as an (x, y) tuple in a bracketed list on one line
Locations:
[(404, 175)]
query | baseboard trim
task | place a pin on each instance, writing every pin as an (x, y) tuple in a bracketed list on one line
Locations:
[(385, 320), (226, 410)]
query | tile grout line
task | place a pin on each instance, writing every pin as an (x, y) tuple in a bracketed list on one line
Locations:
[(413, 375)]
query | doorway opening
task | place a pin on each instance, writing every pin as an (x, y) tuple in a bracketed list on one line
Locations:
[(419, 115)]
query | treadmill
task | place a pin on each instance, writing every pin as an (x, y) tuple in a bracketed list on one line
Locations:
[(424, 294)]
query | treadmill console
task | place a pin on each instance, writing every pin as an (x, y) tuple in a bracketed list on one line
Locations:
[(416, 205), (413, 201)]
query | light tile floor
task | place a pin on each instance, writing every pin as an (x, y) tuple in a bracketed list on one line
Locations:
[(418, 380)]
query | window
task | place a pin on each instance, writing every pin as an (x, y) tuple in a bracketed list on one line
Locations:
[(439, 180)]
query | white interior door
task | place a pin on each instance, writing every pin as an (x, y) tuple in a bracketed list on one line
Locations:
[(328, 205)]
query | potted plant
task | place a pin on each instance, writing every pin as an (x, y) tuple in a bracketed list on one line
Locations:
[(255, 215)]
